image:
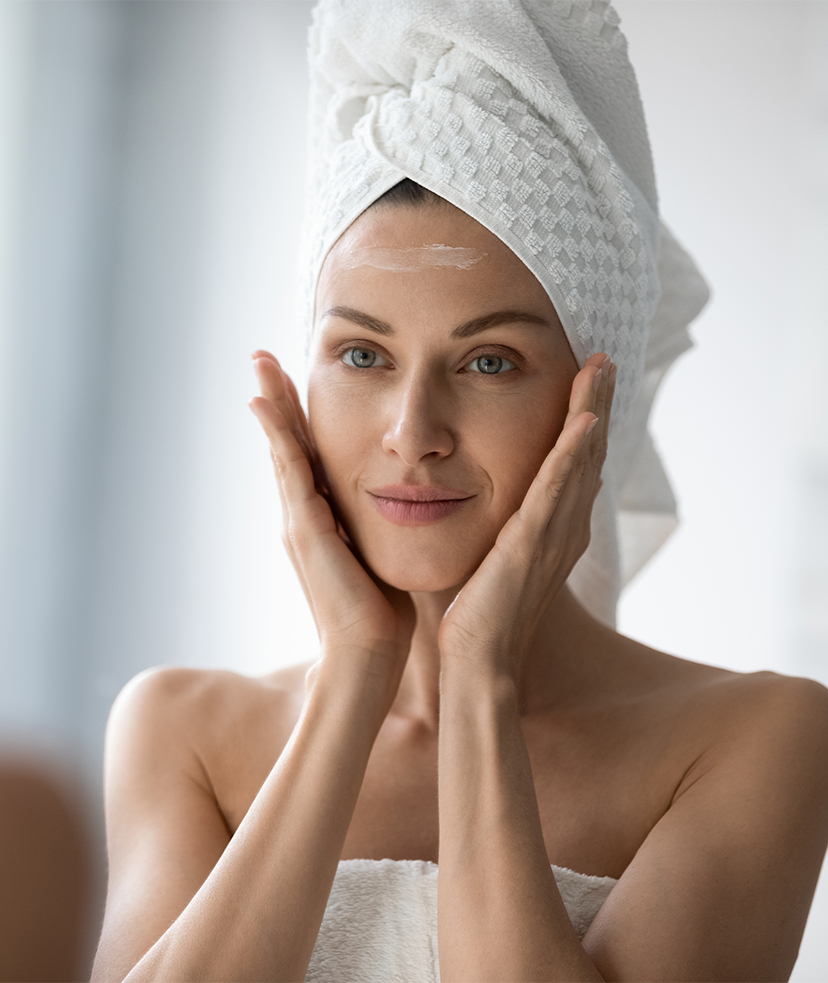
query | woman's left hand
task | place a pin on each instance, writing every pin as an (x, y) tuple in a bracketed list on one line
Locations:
[(494, 617)]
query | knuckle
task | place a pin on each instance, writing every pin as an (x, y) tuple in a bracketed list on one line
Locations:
[(552, 489), (278, 464), (296, 535)]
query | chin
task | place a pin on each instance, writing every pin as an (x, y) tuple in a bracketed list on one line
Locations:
[(421, 577), (428, 560), (424, 585), (423, 574)]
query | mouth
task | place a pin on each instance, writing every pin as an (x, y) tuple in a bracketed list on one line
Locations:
[(418, 505)]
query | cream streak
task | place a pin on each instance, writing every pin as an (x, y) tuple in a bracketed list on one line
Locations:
[(414, 258)]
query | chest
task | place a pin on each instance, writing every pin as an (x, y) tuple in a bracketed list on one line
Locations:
[(599, 791), (600, 786)]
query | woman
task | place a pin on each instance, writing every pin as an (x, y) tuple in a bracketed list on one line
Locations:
[(599, 810)]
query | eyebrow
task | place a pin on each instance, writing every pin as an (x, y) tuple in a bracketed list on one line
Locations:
[(473, 327)]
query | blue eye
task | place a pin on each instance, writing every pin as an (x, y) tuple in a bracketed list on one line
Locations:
[(361, 358), (490, 365)]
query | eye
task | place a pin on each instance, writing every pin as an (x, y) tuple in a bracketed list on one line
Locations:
[(490, 365), (362, 358)]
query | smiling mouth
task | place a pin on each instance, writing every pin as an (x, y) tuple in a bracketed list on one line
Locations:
[(418, 505)]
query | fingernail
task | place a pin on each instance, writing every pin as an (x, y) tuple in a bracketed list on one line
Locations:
[(596, 380), (591, 426)]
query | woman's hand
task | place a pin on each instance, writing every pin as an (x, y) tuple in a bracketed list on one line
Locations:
[(495, 615), (351, 607)]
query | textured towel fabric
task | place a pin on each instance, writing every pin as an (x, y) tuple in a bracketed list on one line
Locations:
[(380, 925), (526, 115)]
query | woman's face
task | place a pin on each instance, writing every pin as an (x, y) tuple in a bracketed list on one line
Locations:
[(439, 370)]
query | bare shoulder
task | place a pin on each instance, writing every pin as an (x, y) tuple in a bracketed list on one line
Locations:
[(221, 730), (754, 754), (186, 752), (196, 691), (197, 702), (728, 708), (761, 700), (772, 725), (719, 706), (721, 885)]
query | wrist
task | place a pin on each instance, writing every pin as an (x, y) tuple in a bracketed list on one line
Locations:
[(477, 681), (363, 676), (483, 664)]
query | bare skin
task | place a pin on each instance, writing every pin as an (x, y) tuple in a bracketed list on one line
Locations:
[(497, 734)]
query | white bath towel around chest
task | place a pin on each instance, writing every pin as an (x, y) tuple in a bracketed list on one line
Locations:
[(380, 925)]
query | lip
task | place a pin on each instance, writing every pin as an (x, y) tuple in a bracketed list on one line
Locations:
[(417, 505), (419, 493)]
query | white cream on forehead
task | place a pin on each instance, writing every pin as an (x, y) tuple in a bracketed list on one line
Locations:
[(412, 259)]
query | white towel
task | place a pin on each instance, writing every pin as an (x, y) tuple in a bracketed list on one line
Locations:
[(380, 924), (526, 115)]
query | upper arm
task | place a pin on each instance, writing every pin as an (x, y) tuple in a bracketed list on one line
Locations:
[(165, 831), (721, 887)]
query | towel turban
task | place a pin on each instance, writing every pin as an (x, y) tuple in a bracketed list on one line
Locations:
[(526, 115)]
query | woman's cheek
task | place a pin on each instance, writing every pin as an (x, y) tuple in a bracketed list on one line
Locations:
[(514, 445), (341, 423)]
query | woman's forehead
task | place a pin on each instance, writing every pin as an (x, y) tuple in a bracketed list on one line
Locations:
[(411, 240), (402, 269)]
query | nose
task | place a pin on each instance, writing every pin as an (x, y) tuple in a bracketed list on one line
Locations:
[(418, 423)]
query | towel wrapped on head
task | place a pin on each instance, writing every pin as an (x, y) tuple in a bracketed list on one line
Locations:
[(526, 115)]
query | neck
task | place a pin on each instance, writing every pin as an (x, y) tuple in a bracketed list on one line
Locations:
[(567, 637)]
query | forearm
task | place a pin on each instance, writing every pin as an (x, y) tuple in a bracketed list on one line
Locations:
[(258, 913), (500, 915)]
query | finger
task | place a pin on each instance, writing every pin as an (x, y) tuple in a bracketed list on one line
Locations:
[(599, 440), (272, 385), (567, 475), (293, 469), (592, 398), (573, 515), (270, 377), (264, 411), (309, 525), (304, 435), (544, 494), (578, 497), (613, 375), (277, 386), (565, 483), (304, 431), (596, 442), (570, 524), (588, 394), (582, 396)]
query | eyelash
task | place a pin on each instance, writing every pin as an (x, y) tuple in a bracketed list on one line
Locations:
[(494, 352)]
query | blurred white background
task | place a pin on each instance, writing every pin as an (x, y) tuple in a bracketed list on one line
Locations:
[(151, 177)]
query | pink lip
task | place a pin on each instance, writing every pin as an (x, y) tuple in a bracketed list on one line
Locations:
[(416, 505)]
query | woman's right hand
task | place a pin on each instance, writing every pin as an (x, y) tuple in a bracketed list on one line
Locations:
[(352, 608)]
